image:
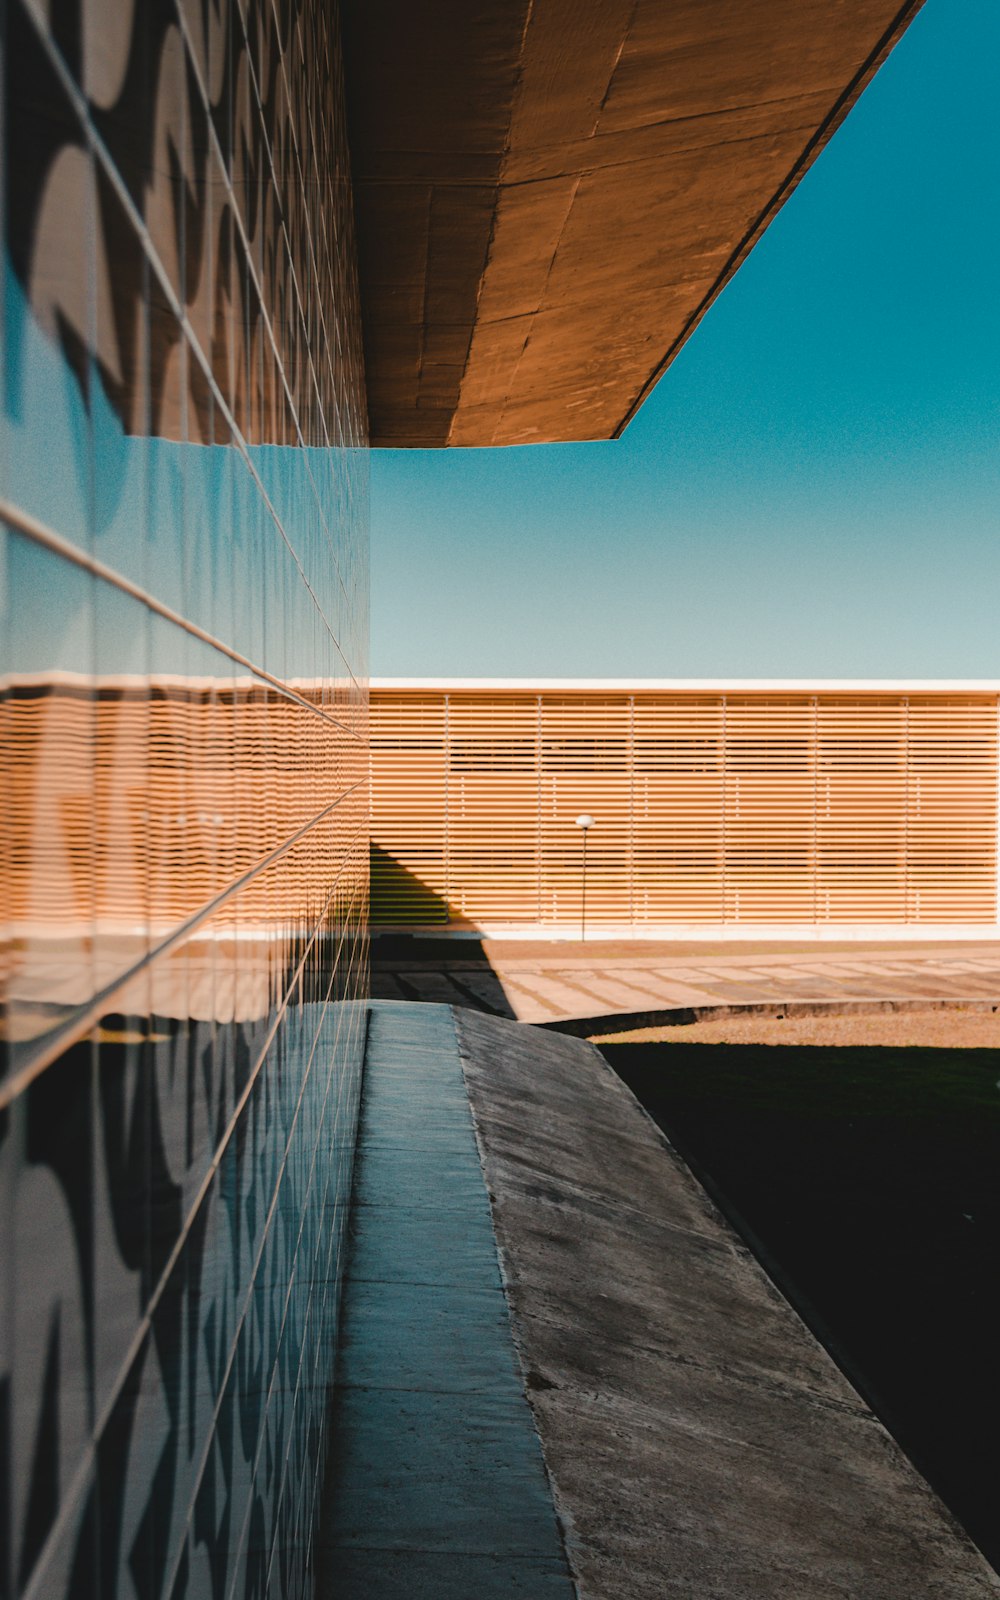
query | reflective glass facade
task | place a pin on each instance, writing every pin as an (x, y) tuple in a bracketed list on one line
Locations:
[(184, 814)]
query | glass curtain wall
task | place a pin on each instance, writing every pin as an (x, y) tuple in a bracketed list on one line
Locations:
[(184, 811)]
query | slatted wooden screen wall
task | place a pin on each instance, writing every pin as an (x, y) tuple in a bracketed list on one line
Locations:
[(749, 807)]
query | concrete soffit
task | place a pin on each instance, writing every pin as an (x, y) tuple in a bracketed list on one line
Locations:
[(551, 193)]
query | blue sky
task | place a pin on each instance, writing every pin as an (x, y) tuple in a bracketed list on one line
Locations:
[(813, 489)]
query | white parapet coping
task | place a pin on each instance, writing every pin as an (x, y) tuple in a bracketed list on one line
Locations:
[(694, 685)]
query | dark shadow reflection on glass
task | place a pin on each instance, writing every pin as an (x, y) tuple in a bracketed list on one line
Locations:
[(183, 818)]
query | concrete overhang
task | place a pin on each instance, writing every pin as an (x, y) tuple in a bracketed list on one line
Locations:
[(551, 193)]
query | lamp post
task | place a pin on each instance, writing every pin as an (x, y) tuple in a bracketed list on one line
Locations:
[(584, 821)]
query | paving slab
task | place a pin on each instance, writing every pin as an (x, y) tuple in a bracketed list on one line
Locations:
[(482, 990), (617, 993), (431, 987), (385, 986)]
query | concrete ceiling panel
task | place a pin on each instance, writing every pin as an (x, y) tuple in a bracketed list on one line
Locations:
[(549, 195)]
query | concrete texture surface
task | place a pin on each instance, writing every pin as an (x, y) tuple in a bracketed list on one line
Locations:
[(551, 193), (588, 984), (437, 1485), (699, 1440)]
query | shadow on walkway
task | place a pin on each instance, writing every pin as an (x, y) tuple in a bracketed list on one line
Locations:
[(406, 966)]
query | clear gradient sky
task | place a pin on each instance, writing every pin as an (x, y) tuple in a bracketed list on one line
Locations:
[(813, 489)]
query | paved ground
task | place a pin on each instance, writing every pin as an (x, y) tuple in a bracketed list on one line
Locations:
[(553, 983), (701, 1443)]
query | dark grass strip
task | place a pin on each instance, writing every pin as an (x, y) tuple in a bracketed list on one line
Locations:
[(868, 1182)]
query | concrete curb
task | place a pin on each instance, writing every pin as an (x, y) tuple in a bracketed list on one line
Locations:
[(684, 1016), (700, 1442)]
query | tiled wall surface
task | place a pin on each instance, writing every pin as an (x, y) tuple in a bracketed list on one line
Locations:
[(183, 816)]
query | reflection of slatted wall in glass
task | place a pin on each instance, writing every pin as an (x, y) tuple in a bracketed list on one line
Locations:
[(677, 799), (749, 808), (184, 786)]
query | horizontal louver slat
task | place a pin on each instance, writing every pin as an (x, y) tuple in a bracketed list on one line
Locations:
[(748, 808)]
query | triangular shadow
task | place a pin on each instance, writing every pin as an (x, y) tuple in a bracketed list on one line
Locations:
[(418, 966)]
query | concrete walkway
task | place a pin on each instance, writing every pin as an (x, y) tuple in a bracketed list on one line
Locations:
[(437, 1488), (647, 982), (698, 1442)]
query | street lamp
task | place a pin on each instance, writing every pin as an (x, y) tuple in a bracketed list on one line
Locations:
[(584, 821)]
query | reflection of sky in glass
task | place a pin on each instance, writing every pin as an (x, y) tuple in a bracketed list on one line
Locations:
[(259, 550), (173, 622)]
